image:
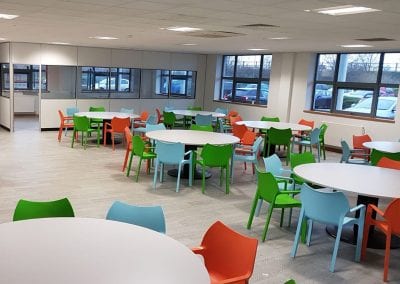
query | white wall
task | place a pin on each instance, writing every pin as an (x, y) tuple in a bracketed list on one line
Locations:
[(5, 116)]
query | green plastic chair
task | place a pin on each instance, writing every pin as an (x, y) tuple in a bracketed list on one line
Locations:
[(214, 156), (271, 119), (300, 159), (96, 121), (376, 155), (208, 128), (322, 132), (140, 150), (279, 137), (82, 124), (27, 209), (268, 190), (169, 119)]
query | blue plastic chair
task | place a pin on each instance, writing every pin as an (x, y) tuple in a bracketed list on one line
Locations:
[(328, 208), (246, 154), (127, 110), (172, 154), (221, 110), (204, 120), (151, 217), (70, 111), (347, 152), (310, 141), (151, 120)]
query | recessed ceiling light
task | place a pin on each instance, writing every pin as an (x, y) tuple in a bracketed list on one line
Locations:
[(60, 42), (8, 16), (355, 45), (182, 29), (3, 38), (103, 37), (189, 44), (344, 10), (279, 38), (257, 49)]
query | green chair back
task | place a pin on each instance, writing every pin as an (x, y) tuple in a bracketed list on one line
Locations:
[(194, 108), (216, 156), (169, 119), (279, 137), (97, 109), (267, 186), (322, 132), (138, 145), (197, 127), (376, 155), (139, 150), (272, 119), (81, 123), (300, 159), (26, 209)]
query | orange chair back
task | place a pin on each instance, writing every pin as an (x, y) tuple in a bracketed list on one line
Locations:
[(227, 252), (234, 119), (385, 162), (239, 130), (307, 123), (159, 116), (358, 141), (248, 138), (392, 215), (119, 124), (60, 113), (232, 113), (144, 115), (128, 136)]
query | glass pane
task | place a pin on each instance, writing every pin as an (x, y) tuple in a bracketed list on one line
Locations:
[(387, 102), (226, 90), (20, 81), (178, 87), (178, 72), (322, 97), (101, 83), (355, 101), (127, 83), (326, 67), (60, 82), (391, 68), (264, 93), (229, 66), (359, 67), (245, 93), (266, 66), (152, 84), (101, 69), (248, 66), (123, 82)]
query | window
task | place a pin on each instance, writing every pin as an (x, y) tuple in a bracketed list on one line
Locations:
[(245, 79), (362, 84), (60, 82), (26, 77)]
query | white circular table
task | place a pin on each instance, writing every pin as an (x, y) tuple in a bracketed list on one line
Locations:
[(196, 112), (383, 146), (192, 137), (83, 250), (107, 115), (279, 125)]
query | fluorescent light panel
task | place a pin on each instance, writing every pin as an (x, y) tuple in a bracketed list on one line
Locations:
[(182, 29), (355, 45), (60, 43), (8, 16), (103, 37), (344, 10), (257, 49), (278, 38), (189, 44), (3, 38)]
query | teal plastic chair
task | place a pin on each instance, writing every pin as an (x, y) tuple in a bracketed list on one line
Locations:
[(277, 136), (205, 120), (151, 120), (347, 153), (172, 154), (309, 141), (330, 208), (215, 156), (127, 110), (322, 132), (300, 159), (218, 122), (143, 152), (268, 190), (27, 209), (154, 127), (70, 111), (82, 124), (151, 217), (247, 154)]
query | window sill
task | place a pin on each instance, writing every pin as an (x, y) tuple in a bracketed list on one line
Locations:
[(242, 104), (350, 116)]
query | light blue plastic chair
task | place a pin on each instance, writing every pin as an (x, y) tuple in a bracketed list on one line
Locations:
[(246, 154), (151, 217), (328, 208), (154, 127), (221, 110), (127, 110), (151, 120), (172, 154), (204, 120), (347, 152), (70, 111), (168, 108), (310, 141)]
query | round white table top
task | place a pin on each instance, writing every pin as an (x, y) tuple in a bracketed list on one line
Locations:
[(106, 114), (192, 137), (196, 112), (268, 124), (383, 146), (84, 250), (361, 179)]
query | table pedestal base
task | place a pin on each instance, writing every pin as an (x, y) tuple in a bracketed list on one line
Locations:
[(185, 173)]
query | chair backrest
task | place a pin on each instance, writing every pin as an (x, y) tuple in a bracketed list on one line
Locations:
[(158, 113), (323, 127), (119, 124), (151, 217), (208, 128), (169, 118), (26, 209), (153, 127), (273, 165), (239, 130), (216, 155), (128, 136), (194, 108), (232, 113), (144, 115), (392, 215), (279, 136), (61, 115), (358, 141), (257, 144), (127, 110), (377, 155), (170, 153), (152, 119), (203, 119), (234, 119), (307, 122), (138, 145), (97, 108), (345, 151), (71, 111), (325, 207), (168, 108), (267, 186), (248, 138), (385, 162), (314, 135), (272, 119), (221, 110), (81, 123), (301, 158), (227, 252)]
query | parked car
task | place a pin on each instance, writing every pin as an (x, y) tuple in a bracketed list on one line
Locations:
[(123, 85), (386, 107), (248, 95), (323, 98)]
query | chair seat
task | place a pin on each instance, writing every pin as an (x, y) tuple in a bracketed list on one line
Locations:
[(287, 201), (149, 155), (217, 277)]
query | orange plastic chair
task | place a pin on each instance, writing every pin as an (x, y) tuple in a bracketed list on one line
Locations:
[(358, 141), (309, 123), (117, 125), (248, 138), (128, 142), (239, 130), (234, 119), (389, 225), (141, 121), (65, 121), (385, 162), (229, 256), (160, 117)]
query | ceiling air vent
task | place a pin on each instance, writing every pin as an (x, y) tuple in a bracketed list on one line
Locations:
[(375, 39), (258, 26), (213, 34)]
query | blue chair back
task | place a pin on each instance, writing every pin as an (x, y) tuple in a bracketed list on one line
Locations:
[(170, 153), (273, 165), (345, 151), (127, 110), (151, 217), (152, 119), (257, 144), (71, 111), (203, 119), (324, 207), (314, 136), (154, 127), (168, 108), (221, 110)]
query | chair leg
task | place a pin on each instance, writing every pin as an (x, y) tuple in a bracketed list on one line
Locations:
[(297, 236), (179, 177), (203, 180), (129, 164), (73, 139), (138, 169), (258, 208), (365, 239), (336, 248), (155, 174), (359, 240), (125, 160), (387, 256), (227, 179), (60, 133), (161, 172), (282, 214), (309, 231), (112, 141), (253, 209), (264, 235)]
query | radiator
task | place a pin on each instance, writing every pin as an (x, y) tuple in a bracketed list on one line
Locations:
[(339, 131)]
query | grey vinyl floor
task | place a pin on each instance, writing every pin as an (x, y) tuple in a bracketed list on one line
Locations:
[(34, 165)]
